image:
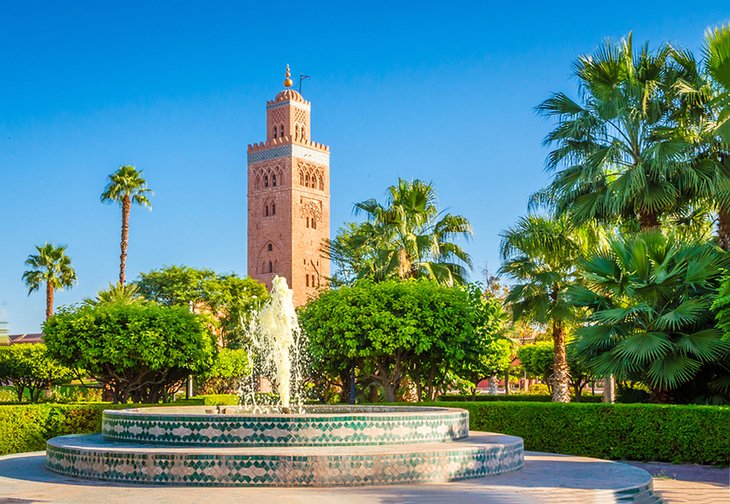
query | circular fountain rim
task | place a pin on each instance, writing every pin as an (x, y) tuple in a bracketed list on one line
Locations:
[(311, 411)]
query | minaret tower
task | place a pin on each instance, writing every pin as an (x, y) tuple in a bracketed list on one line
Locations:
[(289, 198)]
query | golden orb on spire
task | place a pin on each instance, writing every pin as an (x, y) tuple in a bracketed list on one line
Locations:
[(287, 81)]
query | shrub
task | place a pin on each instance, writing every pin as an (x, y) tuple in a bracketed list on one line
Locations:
[(29, 368), (215, 400), (649, 432), (230, 367), (142, 352), (515, 397)]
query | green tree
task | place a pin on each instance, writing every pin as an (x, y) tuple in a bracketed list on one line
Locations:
[(140, 352), (390, 330), (118, 293), (537, 360), (230, 368), (616, 150), (52, 267), (541, 254), (407, 237), (28, 367), (651, 321), (126, 186)]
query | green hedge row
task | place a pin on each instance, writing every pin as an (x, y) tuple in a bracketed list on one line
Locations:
[(645, 432), (515, 397)]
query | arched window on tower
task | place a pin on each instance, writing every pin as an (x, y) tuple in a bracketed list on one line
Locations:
[(306, 275), (306, 180), (301, 178), (296, 132), (266, 181), (275, 131), (304, 133), (273, 209), (273, 180), (270, 248), (266, 210), (281, 130), (271, 267), (314, 223), (321, 184), (307, 221)]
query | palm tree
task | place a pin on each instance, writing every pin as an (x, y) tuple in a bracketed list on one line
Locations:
[(117, 293), (541, 254), (651, 319), (52, 267), (126, 186), (409, 238), (616, 154), (717, 57)]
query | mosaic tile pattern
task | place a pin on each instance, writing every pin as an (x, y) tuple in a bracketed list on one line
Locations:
[(299, 151), (324, 426), (97, 458)]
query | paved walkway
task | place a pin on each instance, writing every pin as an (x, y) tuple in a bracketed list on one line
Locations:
[(546, 478), (689, 483)]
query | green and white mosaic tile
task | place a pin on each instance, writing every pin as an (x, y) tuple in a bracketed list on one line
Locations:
[(322, 426), (97, 458)]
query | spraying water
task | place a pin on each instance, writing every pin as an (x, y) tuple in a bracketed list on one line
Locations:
[(276, 344)]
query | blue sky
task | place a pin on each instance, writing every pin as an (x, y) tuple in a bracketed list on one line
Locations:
[(442, 91)]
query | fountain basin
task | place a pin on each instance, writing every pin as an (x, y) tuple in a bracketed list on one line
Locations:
[(94, 457), (320, 426)]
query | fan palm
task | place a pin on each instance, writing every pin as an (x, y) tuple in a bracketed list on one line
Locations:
[(650, 298), (52, 267), (615, 152), (117, 293), (407, 237), (717, 56), (540, 254), (126, 186)]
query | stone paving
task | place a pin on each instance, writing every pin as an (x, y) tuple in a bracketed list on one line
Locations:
[(689, 483), (545, 478)]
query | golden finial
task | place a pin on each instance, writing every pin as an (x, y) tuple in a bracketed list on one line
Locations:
[(287, 80)]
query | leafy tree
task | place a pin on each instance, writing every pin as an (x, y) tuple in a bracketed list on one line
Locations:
[(52, 267), (28, 367), (537, 360), (651, 321), (540, 254), (407, 237), (230, 299), (390, 330), (230, 368), (126, 186), (140, 352), (616, 149)]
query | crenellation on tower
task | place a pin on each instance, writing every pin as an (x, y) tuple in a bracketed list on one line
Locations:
[(289, 199)]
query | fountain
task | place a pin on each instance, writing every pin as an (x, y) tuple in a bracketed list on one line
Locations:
[(287, 445)]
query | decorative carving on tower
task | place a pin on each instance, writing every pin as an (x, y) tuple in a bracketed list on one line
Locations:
[(289, 198)]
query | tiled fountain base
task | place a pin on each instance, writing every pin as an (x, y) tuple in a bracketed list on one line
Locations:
[(93, 456)]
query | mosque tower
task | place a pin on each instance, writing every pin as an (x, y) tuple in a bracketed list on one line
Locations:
[(289, 198)]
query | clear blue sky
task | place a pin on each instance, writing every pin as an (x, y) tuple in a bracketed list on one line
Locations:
[(442, 91)]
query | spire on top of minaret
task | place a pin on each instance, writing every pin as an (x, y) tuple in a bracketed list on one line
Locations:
[(287, 80)]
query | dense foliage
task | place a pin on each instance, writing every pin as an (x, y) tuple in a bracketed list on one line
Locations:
[(651, 432), (230, 299), (140, 352), (650, 320), (229, 369), (29, 369), (393, 330)]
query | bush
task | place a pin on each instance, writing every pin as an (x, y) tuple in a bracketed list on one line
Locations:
[(142, 352), (29, 368), (516, 397), (648, 432), (215, 400), (538, 389), (230, 368)]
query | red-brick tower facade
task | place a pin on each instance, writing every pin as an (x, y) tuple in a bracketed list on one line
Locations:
[(289, 199)]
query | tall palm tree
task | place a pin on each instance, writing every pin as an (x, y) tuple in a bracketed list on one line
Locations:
[(126, 186), (541, 254), (410, 238), (615, 153), (52, 267), (651, 320)]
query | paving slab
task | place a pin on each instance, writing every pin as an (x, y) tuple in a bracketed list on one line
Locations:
[(545, 478), (689, 483)]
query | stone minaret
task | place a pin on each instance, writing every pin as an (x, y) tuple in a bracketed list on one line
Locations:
[(289, 198)]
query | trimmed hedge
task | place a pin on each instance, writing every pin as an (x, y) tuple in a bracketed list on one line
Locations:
[(514, 397), (645, 432), (214, 400)]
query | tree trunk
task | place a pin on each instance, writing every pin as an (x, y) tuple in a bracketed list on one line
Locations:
[(126, 204), (723, 229), (561, 372), (648, 221), (49, 299), (389, 389), (506, 383)]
